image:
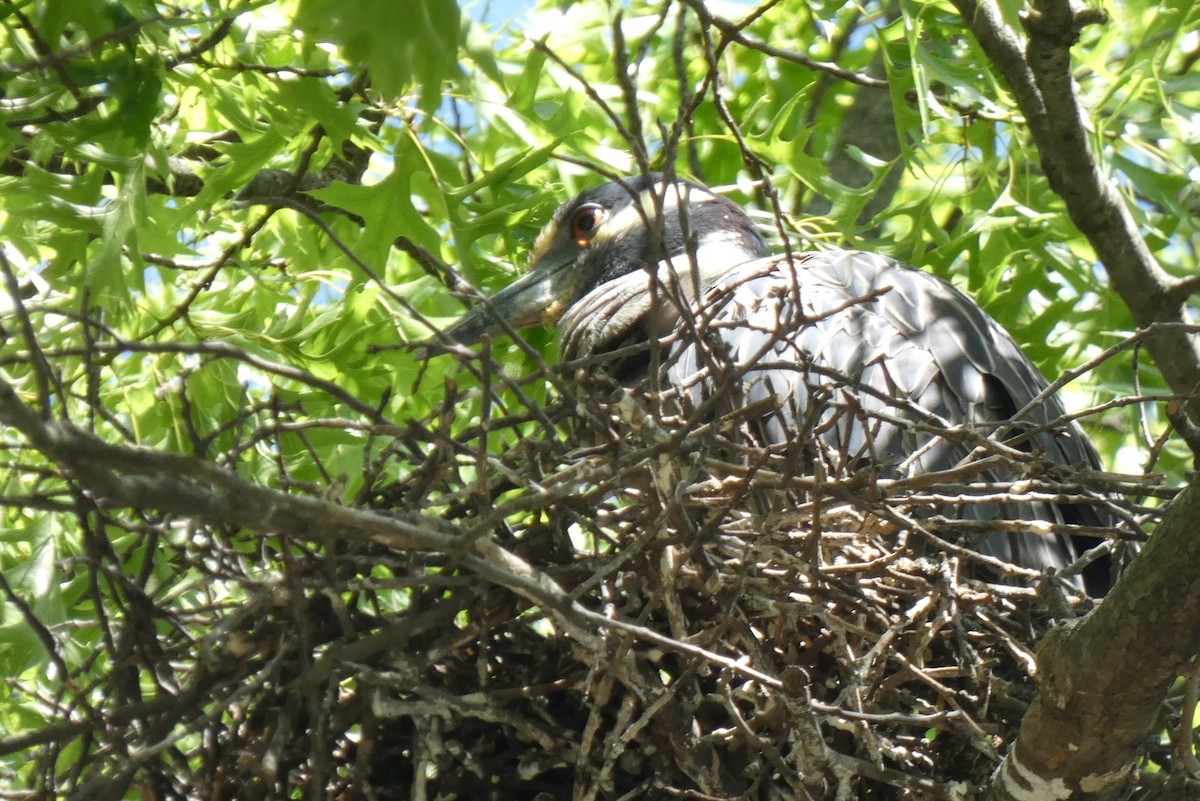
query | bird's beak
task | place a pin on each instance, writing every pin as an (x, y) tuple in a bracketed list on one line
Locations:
[(538, 298)]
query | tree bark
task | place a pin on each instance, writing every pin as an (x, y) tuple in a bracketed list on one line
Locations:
[(1038, 71), (1102, 678)]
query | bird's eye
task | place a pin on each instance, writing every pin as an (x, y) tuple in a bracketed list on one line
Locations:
[(584, 222)]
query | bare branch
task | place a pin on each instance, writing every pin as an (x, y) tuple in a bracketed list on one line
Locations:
[(734, 33)]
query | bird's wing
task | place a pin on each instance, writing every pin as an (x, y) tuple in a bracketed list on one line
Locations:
[(873, 357)]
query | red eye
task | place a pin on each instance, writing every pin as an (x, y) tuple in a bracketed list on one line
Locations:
[(584, 222)]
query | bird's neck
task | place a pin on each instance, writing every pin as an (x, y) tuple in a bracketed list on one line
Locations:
[(640, 305)]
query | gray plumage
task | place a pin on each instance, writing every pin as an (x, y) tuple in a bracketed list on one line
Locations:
[(871, 363)]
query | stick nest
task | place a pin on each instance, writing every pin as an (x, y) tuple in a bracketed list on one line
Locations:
[(764, 632), (670, 614)]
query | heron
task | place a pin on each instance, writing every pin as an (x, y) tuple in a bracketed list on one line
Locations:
[(869, 361)]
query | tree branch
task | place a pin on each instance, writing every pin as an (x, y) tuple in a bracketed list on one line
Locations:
[(734, 33), (183, 176), (1106, 674), (1040, 78), (1101, 680)]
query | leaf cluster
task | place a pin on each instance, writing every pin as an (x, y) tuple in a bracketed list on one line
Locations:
[(226, 224)]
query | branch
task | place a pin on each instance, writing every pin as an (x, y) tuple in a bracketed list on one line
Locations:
[(734, 33), (1039, 75), (1102, 680), (1107, 674), (144, 478), (183, 176), (185, 181)]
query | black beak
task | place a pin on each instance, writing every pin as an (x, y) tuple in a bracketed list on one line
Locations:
[(538, 298)]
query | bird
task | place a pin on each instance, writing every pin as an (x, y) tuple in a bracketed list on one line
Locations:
[(860, 361)]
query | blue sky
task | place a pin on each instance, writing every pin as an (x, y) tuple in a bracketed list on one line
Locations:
[(496, 12)]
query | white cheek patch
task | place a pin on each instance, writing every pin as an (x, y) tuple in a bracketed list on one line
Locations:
[(635, 216), (717, 253)]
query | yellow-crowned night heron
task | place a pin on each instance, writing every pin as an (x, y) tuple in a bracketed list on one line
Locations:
[(874, 362)]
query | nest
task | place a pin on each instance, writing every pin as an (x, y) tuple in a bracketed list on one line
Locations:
[(676, 615), (742, 669), (719, 625)]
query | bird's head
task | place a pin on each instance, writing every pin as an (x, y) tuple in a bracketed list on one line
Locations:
[(621, 230)]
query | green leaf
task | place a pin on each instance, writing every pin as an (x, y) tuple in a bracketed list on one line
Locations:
[(424, 50), (34, 578), (387, 211), (104, 273)]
